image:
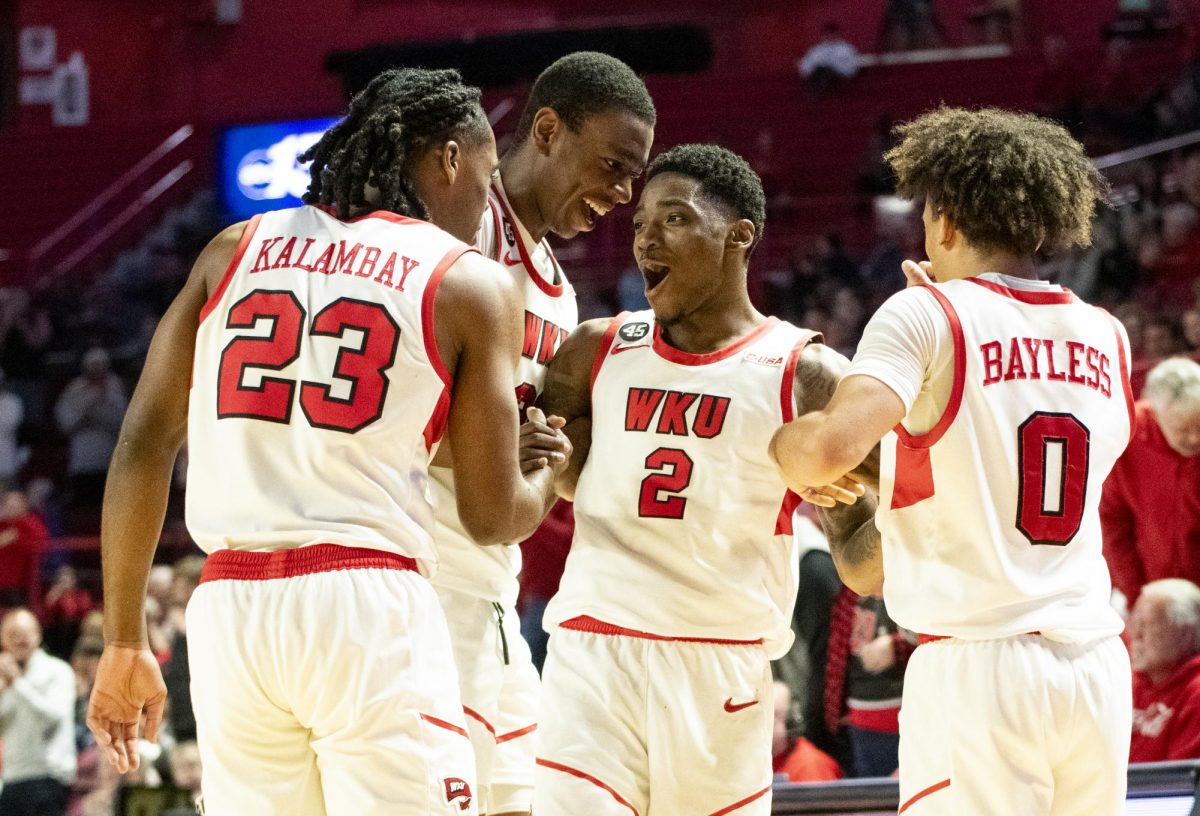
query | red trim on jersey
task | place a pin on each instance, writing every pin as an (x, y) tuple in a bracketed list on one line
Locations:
[(923, 639), (606, 343), (674, 355), (243, 565), (914, 476), (742, 802), (551, 289), (787, 401), (386, 215), (930, 437), (497, 231), (783, 522), (945, 783), (234, 263), (436, 426), (449, 726), (586, 623), (557, 766), (512, 735), (1038, 298), (1125, 382)]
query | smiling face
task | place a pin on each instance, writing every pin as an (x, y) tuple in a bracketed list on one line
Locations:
[(586, 174), (453, 179), (680, 242)]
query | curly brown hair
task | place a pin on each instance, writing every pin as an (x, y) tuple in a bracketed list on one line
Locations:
[(1010, 182)]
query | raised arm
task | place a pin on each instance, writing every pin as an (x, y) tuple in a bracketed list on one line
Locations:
[(568, 394), (854, 540), (479, 333)]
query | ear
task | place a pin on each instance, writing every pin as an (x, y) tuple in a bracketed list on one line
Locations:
[(741, 234), (547, 126), (947, 234), (449, 159)]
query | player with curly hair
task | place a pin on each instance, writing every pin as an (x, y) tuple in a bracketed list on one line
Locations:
[(313, 360), (1002, 402), (682, 576)]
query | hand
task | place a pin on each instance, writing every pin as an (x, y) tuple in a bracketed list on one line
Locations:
[(918, 274), (879, 655), (845, 490), (543, 444), (128, 682), (9, 670)]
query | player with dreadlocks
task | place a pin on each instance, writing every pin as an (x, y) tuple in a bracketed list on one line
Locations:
[(1002, 403), (682, 575), (313, 359), (585, 133)]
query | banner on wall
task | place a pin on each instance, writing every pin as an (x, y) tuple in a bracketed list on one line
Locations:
[(259, 166)]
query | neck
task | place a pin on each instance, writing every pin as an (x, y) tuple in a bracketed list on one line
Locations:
[(712, 328), (972, 264), (519, 175)]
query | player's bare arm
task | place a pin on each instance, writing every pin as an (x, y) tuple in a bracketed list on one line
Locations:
[(568, 394), (128, 680), (854, 540), (479, 335)]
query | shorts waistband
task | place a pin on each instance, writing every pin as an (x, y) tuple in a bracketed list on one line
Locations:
[(242, 565), (586, 623), (923, 639)]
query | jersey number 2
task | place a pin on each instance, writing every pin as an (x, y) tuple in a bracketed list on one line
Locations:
[(362, 364), (1053, 451), (674, 475)]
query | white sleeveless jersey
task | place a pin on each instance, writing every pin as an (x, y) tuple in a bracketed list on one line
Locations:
[(990, 521), (683, 525), (550, 315), (317, 387)]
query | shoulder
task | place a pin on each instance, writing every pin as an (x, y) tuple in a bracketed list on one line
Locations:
[(475, 282), (585, 340), (215, 258), (818, 371)]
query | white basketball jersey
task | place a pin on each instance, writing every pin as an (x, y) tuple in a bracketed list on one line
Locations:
[(990, 520), (683, 526), (317, 387), (550, 315)]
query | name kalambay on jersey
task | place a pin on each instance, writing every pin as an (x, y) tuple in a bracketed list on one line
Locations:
[(1020, 358), (334, 258)]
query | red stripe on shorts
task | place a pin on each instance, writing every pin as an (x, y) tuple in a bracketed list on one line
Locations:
[(449, 726), (520, 732), (586, 623), (752, 797), (242, 565), (555, 766), (945, 783)]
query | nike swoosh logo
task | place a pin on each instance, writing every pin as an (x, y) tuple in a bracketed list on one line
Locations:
[(619, 349), (509, 260), (731, 708)]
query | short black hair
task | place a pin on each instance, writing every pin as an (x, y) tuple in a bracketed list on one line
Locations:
[(724, 176), (400, 112), (583, 84), (1009, 181)]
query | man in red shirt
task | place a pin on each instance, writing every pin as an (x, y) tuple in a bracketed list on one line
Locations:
[(1164, 634), (793, 757), (1151, 506), (22, 536)]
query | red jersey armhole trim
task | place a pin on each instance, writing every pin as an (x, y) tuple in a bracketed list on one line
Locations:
[(1126, 385), (549, 288), (787, 389), (606, 344), (1037, 298), (674, 355), (441, 412), (234, 263), (928, 439)]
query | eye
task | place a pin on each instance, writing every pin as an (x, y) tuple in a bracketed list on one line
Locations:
[(637, 225), (613, 165), (674, 218)]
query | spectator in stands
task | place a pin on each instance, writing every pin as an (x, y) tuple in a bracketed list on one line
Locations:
[(89, 412), (22, 539), (1059, 90), (63, 611), (830, 62), (37, 721), (1164, 644), (12, 412), (909, 24), (1159, 341), (176, 672), (793, 757), (25, 334), (84, 659), (1150, 510), (184, 762)]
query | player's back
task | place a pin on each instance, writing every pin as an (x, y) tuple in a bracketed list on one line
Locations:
[(991, 520), (317, 387)]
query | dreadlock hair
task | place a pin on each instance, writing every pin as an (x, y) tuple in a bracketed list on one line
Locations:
[(1010, 182), (724, 177), (390, 123), (583, 84)]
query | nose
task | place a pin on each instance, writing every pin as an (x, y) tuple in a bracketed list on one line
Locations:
[(624, 190), (646, 239)]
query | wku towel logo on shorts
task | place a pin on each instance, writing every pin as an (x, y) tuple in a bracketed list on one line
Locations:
[(457, 789)]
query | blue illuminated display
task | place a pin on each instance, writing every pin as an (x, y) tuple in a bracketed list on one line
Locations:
[(258, 167)]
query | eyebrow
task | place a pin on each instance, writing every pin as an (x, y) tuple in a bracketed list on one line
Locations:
[(636, 162)]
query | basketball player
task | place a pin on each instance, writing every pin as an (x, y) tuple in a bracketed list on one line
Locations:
[(682, 575), (583, 136), (314, 357), (1002, 403)]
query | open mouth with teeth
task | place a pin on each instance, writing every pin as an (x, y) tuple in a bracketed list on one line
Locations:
[(654, 274), (595, 208)]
